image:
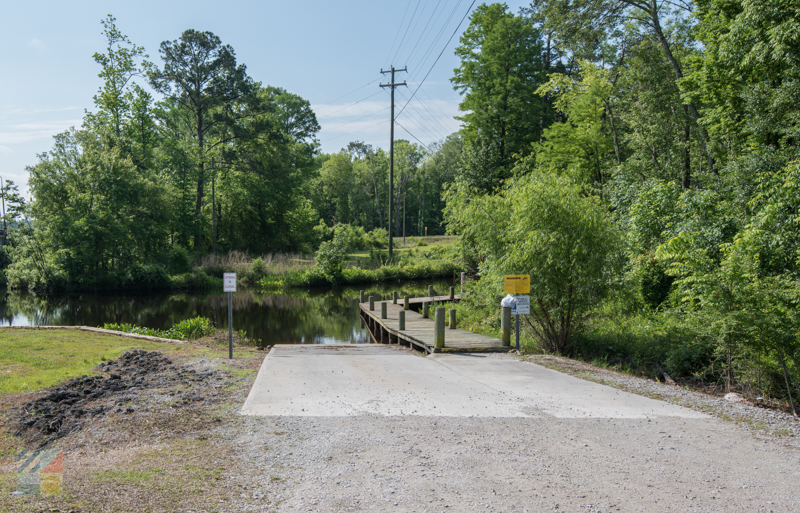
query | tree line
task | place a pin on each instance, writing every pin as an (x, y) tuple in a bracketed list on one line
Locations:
[(638, 159), (219, 162)]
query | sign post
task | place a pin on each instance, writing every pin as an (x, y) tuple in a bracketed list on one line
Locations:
[(229, 286), (519, 284)]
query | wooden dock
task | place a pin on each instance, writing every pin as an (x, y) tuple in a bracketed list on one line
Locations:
[(419, 331)]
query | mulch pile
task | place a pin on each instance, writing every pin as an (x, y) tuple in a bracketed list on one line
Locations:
[(124, 381)]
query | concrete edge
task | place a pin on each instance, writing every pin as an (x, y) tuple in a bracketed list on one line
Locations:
[(97, 330)]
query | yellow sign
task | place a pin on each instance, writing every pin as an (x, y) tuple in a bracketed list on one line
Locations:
[(518, 283)]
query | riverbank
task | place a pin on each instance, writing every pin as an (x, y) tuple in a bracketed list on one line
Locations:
[(149, 426)]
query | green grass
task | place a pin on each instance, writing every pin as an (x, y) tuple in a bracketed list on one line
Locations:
[(401, 250), (32, 360)]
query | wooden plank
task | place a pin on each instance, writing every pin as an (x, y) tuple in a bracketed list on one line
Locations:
[(420, 331)]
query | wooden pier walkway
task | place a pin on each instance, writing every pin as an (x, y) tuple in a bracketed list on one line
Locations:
[(419, 331)]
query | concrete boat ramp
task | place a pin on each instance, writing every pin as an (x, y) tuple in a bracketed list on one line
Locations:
[(358, 379)]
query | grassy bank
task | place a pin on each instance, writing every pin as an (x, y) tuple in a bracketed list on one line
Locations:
[(31, 360), (166, 456)]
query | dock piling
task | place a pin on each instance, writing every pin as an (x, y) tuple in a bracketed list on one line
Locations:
[(383, 310), (361, 297), (452, 317), (402, 320), (430, 292), (452, 293), (505, 326), (405, 302), (438, 328), (426, 310), (371, 303), (394, 297)]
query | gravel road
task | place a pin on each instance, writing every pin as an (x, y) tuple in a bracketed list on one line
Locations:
[(419, 463)]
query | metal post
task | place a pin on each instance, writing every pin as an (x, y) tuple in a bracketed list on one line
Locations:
[(230, 325), (517, 316), (438, 328), (402, 321)]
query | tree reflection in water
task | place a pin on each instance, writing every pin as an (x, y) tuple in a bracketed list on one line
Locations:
[(289, 317)]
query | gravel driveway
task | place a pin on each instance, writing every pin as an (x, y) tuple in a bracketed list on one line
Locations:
[(544, 462)]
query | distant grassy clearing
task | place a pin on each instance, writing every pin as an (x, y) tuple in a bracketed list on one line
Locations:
[(419, 243), (31, 360)]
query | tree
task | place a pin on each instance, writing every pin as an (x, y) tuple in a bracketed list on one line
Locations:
[(501, 68), (545, 226), (201, 75), (588, 24), (582, 143), (747, 77), (119, 67)]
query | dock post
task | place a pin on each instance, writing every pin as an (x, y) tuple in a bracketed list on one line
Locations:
[(452, 293), (394, 297), (371, 303), (405, 302), (361, 297), (383, 310), (426, 310), (505, 326), (430, 291), (452, 318), (438, 328), (402, 323)]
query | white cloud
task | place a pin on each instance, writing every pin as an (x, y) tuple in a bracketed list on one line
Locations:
[(26, 132), (37, 43), (346, 110)]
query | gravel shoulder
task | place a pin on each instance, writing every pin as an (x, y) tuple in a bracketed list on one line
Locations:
[(204, 456)]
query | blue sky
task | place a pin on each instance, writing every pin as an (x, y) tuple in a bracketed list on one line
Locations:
[(330, 53)]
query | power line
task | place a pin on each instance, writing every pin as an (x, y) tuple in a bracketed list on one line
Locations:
[(348, 106), (433, 117), (415, 137), (421, 64), (410, 22), (419, 39), (354, 90), (440, 55), (399, 28)]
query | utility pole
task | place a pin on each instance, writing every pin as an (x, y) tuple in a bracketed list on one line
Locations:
[(391, 85), (5, 233), (213, 210)]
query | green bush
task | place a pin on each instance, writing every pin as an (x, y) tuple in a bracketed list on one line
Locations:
[(178, 261), (189, 329), (192, 329)]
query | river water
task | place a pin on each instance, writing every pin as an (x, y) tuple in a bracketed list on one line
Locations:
[(290, 317)]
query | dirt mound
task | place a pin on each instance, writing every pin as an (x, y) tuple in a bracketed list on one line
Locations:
[(135, 376)]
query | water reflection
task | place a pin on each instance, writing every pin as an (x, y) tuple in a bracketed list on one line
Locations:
[(293, 317)]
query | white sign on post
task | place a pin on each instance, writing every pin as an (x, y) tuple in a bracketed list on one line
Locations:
[(228, 282), (522, 306)]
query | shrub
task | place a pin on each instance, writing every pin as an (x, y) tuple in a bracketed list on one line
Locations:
[(178, 261)]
